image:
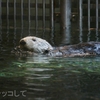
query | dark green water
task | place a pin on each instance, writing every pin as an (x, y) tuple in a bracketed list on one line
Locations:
[(46, 78)]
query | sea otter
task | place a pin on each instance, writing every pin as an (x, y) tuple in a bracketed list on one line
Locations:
[(31, 44)]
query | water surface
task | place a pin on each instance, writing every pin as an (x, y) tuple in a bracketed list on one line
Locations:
[(46, 78)]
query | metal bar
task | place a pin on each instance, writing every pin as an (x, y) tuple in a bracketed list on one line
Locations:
[(65, 20), (89, 7), (14, 14), (52, 20), (7, 20), (43, 14), (65, 13), (22, 14), (14, 40), (0, 15), (21, 18), (89, 20), (80, 19), (29, 15), (36, 14), (0, 22), (80, 14), (97, 18), (52, 14), (7, 14)]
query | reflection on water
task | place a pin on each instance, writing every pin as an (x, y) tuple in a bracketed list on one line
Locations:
[(59, 79), (47, 78)]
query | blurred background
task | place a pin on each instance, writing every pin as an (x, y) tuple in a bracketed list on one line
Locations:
[(58, 21)]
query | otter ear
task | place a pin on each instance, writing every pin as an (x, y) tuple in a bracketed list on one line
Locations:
[(33, 39)]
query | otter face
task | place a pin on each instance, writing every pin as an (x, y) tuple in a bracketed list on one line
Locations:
[(35, 44)]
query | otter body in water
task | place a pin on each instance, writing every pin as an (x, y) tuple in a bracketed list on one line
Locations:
[(31, 45)]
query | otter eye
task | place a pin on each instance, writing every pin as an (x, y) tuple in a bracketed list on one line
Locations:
[(34, 39)]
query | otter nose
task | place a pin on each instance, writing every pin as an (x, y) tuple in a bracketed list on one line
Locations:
[(22, 42)]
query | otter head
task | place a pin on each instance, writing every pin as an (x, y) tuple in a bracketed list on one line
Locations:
[(35, 44)]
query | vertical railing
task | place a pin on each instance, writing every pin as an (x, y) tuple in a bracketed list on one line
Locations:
[(36, 15), (65, 10), (0, 14), (89, 17), (14, 41), (14, 14), (29, 16), (43, 2), (52, 14), (0, 21), (89, 20), (21, 18), (80, 19), (97, 18), (89, 7), (12, 5), (52, 19), (7, 14), (44, 15), (7, 20)]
